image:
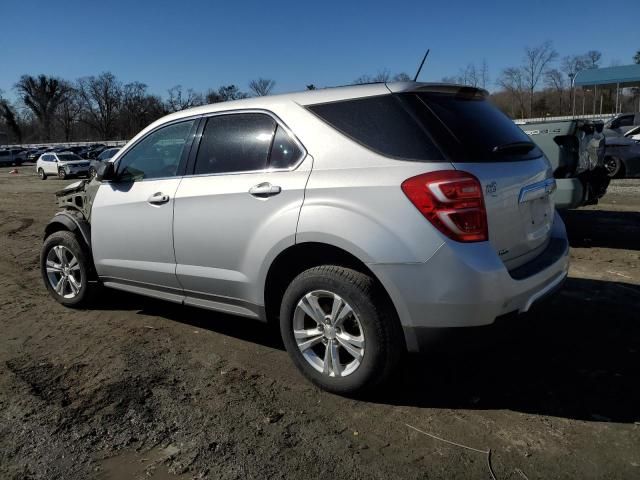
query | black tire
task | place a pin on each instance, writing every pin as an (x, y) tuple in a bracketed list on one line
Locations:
[(383, 342), (69, 241), (614, 167), (61, 174), (43, 176), (92, 172)]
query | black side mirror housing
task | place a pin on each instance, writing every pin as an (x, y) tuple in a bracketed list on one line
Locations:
[(106, 171)]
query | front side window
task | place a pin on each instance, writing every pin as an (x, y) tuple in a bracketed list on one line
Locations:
[(158, 155), (238, 142)]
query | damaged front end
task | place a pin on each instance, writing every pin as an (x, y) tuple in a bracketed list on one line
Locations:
[(79, 197)]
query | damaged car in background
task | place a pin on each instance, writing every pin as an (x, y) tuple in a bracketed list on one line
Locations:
[(576, 149)]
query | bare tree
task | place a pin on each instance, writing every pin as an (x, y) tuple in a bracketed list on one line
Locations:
[(224, 94), (513, 81), (402, 77), (42, 95), (536, 61), (571, 65), (69, 111), (484, 73), (262, 86), (636, 57), (138, 108), (311, 86), (179, 100), (8, 114), (592, 59), (555, 80), (101, 99)]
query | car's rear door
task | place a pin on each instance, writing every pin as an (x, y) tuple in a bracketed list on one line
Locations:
[(239, 206), (132, 216)]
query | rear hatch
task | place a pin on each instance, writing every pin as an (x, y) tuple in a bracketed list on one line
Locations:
[(515, 176)]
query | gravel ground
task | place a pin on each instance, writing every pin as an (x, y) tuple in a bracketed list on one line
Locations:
[(137, 388)]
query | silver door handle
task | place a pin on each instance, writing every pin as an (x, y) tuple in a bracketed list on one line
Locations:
[(264, 190), (158, 198)]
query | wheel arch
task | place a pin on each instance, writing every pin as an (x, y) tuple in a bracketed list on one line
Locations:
[(299, 257)]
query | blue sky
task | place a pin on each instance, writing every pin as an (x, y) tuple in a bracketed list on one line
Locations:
[(203, 44)]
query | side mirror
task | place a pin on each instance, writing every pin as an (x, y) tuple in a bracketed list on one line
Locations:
[(106, 171)]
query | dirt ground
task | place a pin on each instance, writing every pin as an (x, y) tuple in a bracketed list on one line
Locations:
[(137, 388)]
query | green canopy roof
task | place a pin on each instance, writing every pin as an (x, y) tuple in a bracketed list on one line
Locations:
[(626, 76)]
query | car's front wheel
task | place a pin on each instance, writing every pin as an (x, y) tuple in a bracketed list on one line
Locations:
[(43, 176), (92, 172), (65, 267), (340, 330), (62, 174)]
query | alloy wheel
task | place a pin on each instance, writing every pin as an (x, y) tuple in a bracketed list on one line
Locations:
[(328, 333), (63, 272)]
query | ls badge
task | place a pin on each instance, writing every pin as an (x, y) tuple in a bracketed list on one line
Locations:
[(491, 189)]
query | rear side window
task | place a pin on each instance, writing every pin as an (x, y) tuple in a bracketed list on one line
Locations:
[(285, 153), (381, 124), (235, 143), (480, 131)]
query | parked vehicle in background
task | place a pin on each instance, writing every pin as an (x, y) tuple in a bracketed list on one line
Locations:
[(622, 157), (96, 150), (11, 157), (621, 124), (100, 159), (359, 218), (34, 154), (62, 164), (576, 150), (633, 134)]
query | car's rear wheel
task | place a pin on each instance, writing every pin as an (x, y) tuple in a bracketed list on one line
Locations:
[(61, 174), (43, 176), (65, 267), (614, 167), (340, 330)]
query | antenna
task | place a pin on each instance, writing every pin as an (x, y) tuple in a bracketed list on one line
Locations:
[(421, 64)]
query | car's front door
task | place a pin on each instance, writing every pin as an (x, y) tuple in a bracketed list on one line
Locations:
[(132, 216), (239, 205)]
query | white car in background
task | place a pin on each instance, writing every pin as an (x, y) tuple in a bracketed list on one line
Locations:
[(62, 164)]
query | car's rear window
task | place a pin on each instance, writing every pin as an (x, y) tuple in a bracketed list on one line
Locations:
[(479, 130), (381, 124), (68, 157), (458, 124)]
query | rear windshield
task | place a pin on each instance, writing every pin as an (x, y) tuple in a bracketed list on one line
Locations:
[(480, 131), (68, 157), (460, 125)]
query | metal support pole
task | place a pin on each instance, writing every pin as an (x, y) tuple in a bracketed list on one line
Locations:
[(595, 92), (617, 95)]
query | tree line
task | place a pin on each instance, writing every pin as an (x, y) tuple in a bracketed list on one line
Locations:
[(51, 109)]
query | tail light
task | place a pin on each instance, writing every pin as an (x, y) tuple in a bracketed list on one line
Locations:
[(452, 201)]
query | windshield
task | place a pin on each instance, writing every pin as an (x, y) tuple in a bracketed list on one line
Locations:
[(67, 157), (468, 127)]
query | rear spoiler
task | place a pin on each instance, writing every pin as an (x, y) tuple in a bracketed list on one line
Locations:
[(450, 88)]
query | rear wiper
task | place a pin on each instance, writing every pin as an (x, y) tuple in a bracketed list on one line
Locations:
[(514, 147)]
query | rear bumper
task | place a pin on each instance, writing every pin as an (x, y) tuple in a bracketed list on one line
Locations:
[(467, 285)]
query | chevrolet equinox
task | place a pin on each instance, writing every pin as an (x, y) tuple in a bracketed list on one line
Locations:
[(359, 218)]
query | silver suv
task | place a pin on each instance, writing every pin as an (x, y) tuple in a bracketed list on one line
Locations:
[(359, 218)]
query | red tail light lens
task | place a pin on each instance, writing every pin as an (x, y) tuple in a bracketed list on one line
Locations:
[(452, 201)]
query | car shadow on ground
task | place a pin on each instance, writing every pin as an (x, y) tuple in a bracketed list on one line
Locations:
[(601, 228), (577, 356)]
